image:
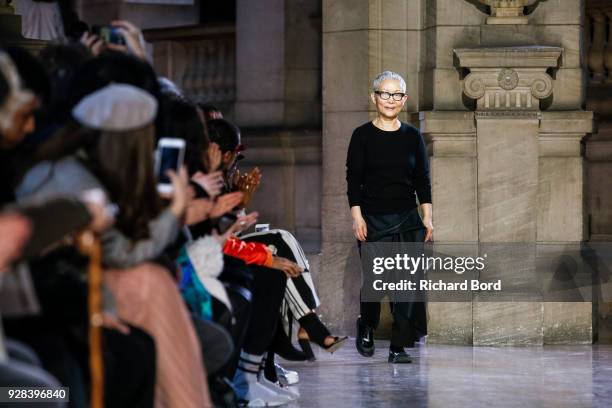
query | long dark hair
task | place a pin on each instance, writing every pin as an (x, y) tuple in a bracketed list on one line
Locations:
[(123, 162), (182, 120)]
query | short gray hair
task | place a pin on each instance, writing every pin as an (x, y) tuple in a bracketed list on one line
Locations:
[(383, 76)]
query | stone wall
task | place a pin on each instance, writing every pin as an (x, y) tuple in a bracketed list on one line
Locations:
[(468, 152)]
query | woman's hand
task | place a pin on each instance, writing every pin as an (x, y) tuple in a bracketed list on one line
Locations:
[(97, 204), (212, 182), (198, 210), (225, 204), (429, 225), (360, 229), (242, 223), (93, 43), (291, 269), (426, 210), (133, 39), (180, 192), (213, 157), (113, 323), (15, 230)]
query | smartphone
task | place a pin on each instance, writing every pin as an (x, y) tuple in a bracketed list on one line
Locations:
[(109, 34), (169, 155), (226, 221), (262, 227)]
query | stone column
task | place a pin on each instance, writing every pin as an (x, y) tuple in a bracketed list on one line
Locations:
[(561, 213), (278, 63), (505, 175), (451, 137), (360, 39)]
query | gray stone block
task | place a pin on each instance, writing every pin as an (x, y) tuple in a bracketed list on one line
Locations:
[(337, 221), (259, 113), (568, 323), (557, 12), (454, 198), (568, 91), (564, 36), (560, 209), (338, 128), (458, 12), (507, 179), (342, 51), (344, 15), (448, 38), (508, 323), (449, 323), (396, 14), (308, 195), (339, 285), (447, 90)]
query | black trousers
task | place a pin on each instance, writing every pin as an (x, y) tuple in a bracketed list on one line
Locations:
[(255, 319), (409, 318), (268, 292)]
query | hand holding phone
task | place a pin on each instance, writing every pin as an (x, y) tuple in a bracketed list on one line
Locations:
[(109, 34), (180, 195), (169, 155)]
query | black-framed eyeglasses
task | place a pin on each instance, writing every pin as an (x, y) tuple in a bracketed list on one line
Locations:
[(397, 96)]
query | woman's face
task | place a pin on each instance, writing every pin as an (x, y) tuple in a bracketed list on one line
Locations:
[(389, 108), (22, 124)]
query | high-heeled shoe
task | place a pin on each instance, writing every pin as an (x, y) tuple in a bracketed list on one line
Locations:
[(312, 329), (304, 343), (281, 345)]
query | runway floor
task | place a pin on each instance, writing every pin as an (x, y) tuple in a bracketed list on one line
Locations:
[(458, 376)]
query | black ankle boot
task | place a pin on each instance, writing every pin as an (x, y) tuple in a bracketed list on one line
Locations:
[(364, 340)]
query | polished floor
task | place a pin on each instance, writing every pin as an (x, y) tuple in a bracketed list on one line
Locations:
[(455, 376)]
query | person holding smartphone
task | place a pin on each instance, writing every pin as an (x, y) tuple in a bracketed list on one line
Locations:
[(385, 166)]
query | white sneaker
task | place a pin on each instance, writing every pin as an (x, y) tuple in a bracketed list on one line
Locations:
[(259, 393), (278, 389), (287, 377)]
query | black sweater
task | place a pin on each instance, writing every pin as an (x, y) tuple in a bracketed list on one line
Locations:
[(385, 169)]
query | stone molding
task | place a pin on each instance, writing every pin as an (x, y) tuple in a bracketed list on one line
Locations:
[(508, 78), (528, 56), (507, 11)]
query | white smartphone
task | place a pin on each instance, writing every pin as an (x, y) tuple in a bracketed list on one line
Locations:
[(169, 155)]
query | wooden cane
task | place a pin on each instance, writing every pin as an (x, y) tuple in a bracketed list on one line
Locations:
[(89, 244)]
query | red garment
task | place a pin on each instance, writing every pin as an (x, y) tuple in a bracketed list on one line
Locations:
[(249, 252)]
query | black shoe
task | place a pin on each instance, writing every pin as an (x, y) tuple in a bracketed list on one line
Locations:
[(364, 340), (281, 345), (400, 357)]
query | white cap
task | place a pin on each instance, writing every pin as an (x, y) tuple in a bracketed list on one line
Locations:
[(116, 108)]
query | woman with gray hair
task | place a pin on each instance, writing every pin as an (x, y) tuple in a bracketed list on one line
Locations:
[(386, 165)]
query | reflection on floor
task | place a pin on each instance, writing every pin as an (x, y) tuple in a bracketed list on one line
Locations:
[(456, 376)]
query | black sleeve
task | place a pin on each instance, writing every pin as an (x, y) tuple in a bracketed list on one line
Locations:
[(422, 181), (355, 164), (52, 221)]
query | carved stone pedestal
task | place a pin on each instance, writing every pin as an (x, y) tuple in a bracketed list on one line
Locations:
[(515, 175)]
